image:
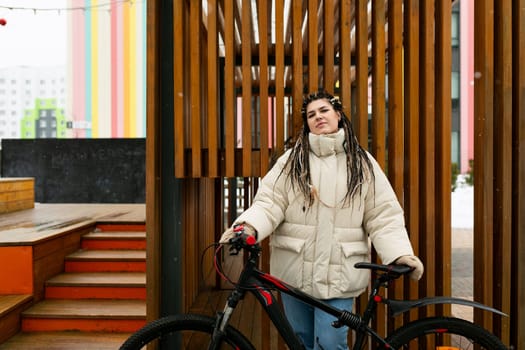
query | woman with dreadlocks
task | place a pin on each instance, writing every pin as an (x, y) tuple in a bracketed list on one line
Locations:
[(323, 202)]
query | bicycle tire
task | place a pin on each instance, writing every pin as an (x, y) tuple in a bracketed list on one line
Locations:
[(461, 334), (194, 330)]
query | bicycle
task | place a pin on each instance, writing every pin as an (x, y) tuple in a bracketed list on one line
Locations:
[(203, 332)]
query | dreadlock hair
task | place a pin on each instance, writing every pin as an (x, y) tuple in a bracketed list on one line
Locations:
[(357, 162)]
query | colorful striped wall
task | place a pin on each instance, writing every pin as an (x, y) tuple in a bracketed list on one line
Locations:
[(107, 68)]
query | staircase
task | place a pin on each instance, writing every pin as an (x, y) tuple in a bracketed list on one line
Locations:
[(102, 290)]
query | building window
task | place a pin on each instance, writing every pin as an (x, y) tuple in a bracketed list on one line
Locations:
[(455, 29), (455, 85)]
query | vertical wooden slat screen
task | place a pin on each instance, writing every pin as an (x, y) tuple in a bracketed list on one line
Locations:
[(153, 146), (297, 63), (378, 122), (361, 52), (279, 76), (178, 87), (498, 164), (378, 82), (411, 126), (246, 89), (213, 112), (345, 67), (484, 161), (410, 135), (427, 145), (443, 150), (518, 177), (229, 89), (264, 14), (395, 112), (195, 88), (328, 50), (313, 65), (502, 161)]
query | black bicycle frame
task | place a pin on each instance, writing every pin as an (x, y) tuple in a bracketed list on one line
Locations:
[(262, 284)]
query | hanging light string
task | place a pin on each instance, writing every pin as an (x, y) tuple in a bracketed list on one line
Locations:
[(72, 8)]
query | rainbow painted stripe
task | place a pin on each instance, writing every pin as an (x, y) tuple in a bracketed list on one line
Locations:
[(107, 69)]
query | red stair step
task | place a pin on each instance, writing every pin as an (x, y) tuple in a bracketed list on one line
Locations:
[(85, 315), (103, 240), (97, 285), (106, 261), (69, 340)]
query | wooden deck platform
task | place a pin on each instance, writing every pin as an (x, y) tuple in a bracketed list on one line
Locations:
[(45, 221)]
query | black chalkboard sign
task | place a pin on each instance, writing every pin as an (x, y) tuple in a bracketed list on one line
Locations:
[(79, 170)]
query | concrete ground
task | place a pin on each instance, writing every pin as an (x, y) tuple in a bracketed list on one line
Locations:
[(462, 271)]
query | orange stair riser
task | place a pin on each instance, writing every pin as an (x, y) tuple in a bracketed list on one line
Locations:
[(62, 292), (89, 244), (76, 324), (105, 266), (123, 227)]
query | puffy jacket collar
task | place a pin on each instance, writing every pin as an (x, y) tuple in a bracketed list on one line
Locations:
[(326, 145)]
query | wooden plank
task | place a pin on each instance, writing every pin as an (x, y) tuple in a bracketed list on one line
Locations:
[(328, 51), (297, 66), (212, 91), (113, 309), (345, 66), (483, 150), (229, 93), (99, 279), (107, 255), (502, 164), (395, 114), (279, 74), (443, 133), (178, 87), (313, 47), (427, 144), (264, 9), (361, 117), (12, 301), (69, 340), (378, 83), (11, 306), (518, 153), (411, 89), (195, 87), (16, 194), (246, 89)]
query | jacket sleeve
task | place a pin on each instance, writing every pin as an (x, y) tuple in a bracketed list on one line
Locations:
[(384, 219), (269, 204)]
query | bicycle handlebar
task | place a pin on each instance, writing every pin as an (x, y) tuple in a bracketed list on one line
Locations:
[(241, 241)]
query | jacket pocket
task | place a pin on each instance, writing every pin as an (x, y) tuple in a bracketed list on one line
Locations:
[(286, 261), (354, 248), (353, 280)]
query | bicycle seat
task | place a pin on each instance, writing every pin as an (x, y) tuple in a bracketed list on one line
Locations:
[(392, 268)]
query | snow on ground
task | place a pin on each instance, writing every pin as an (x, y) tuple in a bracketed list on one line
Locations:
[(462, 206)]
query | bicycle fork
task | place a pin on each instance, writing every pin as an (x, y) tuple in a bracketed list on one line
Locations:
[(222, 319)]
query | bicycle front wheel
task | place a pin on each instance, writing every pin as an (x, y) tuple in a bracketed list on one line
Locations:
[(443, 333), (186, 331)]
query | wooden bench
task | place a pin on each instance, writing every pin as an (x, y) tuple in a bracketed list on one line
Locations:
[(16, 194)]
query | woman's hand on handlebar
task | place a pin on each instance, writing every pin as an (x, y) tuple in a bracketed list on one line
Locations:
[(236, 230)]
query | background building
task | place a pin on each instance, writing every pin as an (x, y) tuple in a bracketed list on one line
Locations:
[(22, 89)]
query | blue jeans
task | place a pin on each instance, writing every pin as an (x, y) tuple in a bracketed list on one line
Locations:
[(314, 326)]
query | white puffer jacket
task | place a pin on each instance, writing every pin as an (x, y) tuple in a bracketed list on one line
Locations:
[(315, 249)]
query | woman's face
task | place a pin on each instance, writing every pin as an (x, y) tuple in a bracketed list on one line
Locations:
[(321, 117)]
